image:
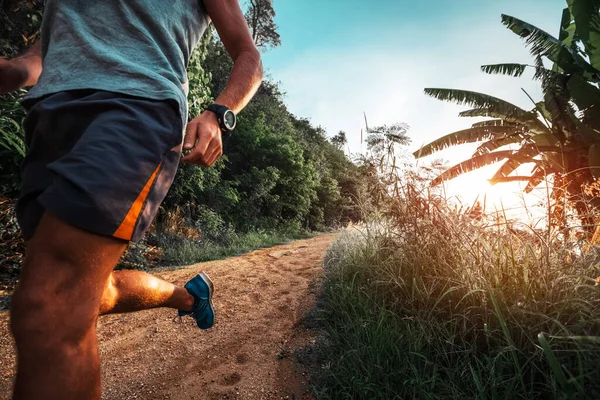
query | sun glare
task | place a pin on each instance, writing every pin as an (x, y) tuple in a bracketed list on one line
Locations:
[(507, 198)]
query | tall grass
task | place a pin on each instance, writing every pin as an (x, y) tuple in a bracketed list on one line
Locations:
[(427, 302)]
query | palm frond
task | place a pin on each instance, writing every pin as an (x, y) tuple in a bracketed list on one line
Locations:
[(493, 106), (465, 136), (514, 70), (494, 144), (470, 98), (522, 156), (529, 119), (494, 122), (539, 174), (471, 165), (557, 104), (541, 43)]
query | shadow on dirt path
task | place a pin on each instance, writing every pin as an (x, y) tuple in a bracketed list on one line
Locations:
[(260, 299)]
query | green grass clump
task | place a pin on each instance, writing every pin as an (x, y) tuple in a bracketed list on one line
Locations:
[(182, 251), (428, 303)]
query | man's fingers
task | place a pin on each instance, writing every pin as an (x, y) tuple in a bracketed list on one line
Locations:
[(217, 156), (205, 137), (214, 156), (191, 133), (212, 152)]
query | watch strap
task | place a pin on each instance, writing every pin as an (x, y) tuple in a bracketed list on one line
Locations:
[(220, 111)]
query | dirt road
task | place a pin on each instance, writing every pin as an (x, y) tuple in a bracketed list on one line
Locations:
[(260, 298)]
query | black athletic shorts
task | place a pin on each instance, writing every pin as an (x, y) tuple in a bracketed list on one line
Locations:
[(98, 160)]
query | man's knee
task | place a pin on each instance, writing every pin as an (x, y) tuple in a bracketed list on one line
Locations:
[(42, 316), (62, 281), (44, 321)]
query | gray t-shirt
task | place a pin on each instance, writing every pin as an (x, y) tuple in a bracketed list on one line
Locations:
[(136, 47)]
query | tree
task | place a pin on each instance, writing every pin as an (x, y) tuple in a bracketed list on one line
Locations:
[(340, 140), (381, 142), (260, 17), (560, 135)]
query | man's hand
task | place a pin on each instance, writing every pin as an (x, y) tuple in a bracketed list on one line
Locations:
[(203, 137), (203, 133), (12, 76)]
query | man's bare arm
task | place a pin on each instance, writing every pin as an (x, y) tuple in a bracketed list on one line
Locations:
[(203, 133), (247, 72), (21, 71)]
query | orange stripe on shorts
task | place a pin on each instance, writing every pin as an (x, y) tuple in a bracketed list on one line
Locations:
[(125, 230)]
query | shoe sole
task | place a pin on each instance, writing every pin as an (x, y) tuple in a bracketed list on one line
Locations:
[(211, 289)]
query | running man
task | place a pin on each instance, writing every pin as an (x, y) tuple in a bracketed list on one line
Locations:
[(104, 132)]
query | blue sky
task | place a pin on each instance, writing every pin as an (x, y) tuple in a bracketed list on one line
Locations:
[(341, 57)]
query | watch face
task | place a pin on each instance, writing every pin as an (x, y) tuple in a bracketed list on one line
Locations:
[(229, 119)]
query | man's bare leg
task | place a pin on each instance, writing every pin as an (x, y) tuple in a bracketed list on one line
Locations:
[(129, 291), (55, 308)]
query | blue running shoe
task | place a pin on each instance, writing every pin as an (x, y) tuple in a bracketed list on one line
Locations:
[(201, 288)]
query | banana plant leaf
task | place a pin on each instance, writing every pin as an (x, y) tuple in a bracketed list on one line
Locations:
[(529, 119), (541, 107), (557, 102), (522, 156), (494, 122), (465, 136), (538, 176), (514, 70), (541, 43), (494, 144), (492, 105), (545, 140), (587, 98), (471, 165), (567, 27), (585, 15)]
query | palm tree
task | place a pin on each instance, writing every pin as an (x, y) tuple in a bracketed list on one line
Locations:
[(560, 135)]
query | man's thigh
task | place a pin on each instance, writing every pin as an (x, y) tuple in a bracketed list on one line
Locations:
[(66, 270)]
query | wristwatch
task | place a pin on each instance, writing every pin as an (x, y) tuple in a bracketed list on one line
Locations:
[(225, 116)]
